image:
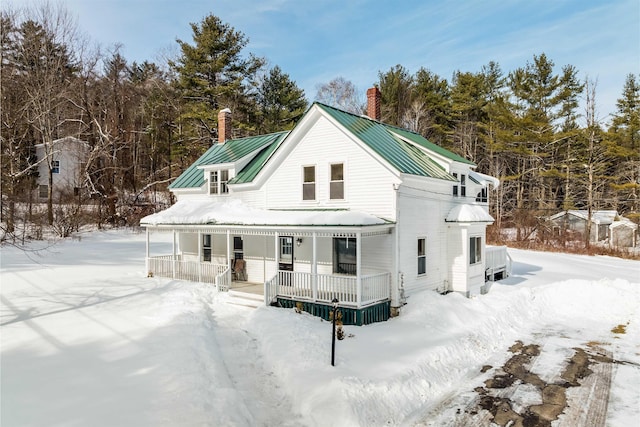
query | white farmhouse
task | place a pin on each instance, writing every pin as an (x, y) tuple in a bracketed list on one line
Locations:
[(66, 159), (341, 207)]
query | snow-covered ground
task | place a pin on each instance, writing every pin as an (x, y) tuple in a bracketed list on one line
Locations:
[(88, 340)]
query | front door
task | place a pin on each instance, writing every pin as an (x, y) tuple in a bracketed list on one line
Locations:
[(286, 253)]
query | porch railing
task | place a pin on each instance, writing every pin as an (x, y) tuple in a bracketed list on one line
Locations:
[(177, 268), (325, 287), (497, 262)]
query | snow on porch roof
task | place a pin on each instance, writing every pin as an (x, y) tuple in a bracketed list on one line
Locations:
[(200, 212), (468, 213)]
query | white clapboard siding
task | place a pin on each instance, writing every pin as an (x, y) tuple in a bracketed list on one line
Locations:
[(368, 184), (422, 216)]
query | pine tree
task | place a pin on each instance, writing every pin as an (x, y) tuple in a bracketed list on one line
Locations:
[(280, 101), (624, 148), (213, 74)]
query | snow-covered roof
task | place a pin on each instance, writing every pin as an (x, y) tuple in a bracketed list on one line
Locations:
[(234, 212), (468, 213), (484, 179), (624, 222), (597, 217)]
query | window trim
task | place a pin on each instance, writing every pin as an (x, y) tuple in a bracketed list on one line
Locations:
[(349, 269), (332, 181), (475, 250), (309, 183), (219, 185), (463, 185), (422, 256), (207, 244), (455, 187), (55, 166)]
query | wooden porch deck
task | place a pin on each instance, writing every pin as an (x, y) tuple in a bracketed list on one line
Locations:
[(248, 287)]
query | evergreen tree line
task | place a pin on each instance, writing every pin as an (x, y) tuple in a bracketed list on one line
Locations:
[(146, 122)]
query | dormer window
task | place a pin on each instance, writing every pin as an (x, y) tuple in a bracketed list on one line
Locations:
[(218, 182)]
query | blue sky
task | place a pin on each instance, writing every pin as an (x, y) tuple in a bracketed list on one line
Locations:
[(316, 41)]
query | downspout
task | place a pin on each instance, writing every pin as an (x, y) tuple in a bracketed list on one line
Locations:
[(358, 269), (173, 272), (396, 277), (200, 255), (146, 260)]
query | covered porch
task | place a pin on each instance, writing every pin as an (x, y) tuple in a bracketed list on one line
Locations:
[(301, 266)]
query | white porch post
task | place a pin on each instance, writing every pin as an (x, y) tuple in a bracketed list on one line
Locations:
[(314, 268), (146, 259), (277, 250), (200, 256), (359, 268), (173, 273), (277, 257), (228, 249)]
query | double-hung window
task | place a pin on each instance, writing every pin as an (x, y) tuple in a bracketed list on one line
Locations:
[(336, 185), (422, 256), (309, 183), (218, 182), (55, 166), (463, 185), (455, 187), (206, 247), (475, 249), (224, 178)]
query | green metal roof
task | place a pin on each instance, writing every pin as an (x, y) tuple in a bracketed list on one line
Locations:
[(228, 152), (400, 154), (387, 141), (420, 140), (249, 172)]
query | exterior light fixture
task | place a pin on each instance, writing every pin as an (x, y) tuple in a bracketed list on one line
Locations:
[(299, 241)]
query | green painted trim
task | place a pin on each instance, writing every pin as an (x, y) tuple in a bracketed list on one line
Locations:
[(380, 312)]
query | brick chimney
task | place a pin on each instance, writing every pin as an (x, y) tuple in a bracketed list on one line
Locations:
[(224, 125), (373, 103)]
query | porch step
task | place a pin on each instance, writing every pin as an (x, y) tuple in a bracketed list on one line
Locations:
[(245, 298)]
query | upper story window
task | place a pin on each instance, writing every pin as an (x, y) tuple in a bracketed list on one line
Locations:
[(455, 187), (475, 250), (461, 185), (218, 182), (55, 166), (482, 195), (336, 185), (309, 183)]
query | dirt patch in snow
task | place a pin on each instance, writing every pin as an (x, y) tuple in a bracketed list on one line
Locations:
[(498, 399)]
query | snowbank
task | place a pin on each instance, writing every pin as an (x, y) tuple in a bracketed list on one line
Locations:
[(88, 339)]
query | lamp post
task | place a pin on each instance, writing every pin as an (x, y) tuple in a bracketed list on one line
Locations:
[(333, 335)]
